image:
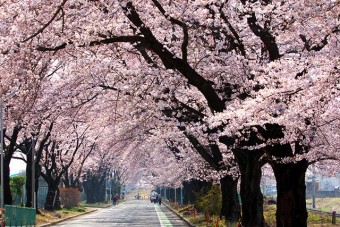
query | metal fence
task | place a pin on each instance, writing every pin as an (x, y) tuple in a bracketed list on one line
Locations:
[(41, 197), (42, 193), (19, 216)]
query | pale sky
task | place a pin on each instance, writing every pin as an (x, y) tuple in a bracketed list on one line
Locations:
[(16, 166)]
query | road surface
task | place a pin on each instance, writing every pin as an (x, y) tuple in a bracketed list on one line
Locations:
[(133, 212)]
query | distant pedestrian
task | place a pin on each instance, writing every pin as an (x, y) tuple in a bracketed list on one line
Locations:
[(117, 197), (159, 199), (156, 199), (114, 201)]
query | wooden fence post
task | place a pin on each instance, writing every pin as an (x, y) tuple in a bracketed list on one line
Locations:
[(217, 222), (207, 218)]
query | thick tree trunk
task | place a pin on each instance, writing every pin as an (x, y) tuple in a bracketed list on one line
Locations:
[(37, 176), (28, 185), (291, 194), (230, 202), (251, 195), (57, 202), (52, 197), (9, 151), (89, 191), (94, 189)]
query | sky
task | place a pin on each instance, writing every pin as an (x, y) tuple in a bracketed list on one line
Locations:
[(16, 165)]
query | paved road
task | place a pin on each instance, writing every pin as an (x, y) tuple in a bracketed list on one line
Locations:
[(131, 213)]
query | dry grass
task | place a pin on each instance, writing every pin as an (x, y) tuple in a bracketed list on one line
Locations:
[(52, 216), (326, 204), (314, 219)]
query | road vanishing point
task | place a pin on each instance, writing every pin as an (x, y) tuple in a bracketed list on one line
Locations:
[(133, 212)]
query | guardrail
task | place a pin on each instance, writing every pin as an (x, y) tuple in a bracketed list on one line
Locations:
[(19, 216)]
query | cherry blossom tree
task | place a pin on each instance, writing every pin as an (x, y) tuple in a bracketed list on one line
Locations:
[(251, 66)]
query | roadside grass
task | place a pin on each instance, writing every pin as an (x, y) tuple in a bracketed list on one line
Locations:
[(314, 219), (199, 219), (96, 205), (325, 204), (53, 216)]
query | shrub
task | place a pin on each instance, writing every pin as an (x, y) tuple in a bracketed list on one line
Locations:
[(70, 197), (209, 202), (16, 184)]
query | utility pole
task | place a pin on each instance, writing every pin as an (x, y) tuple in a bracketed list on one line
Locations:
[(313, 185), (106, 188), (110, 182), (175, 195), (33, 174), (165, 192), (2, 155), (181, 195)]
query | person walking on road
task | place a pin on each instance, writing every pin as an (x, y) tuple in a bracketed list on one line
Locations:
[(156, 199), (114, 201), (159, 199), (117, 197)]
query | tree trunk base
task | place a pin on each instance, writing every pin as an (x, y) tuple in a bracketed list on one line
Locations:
[(291, 194)]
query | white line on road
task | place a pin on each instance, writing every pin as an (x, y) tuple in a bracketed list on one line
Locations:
[(162, 217)]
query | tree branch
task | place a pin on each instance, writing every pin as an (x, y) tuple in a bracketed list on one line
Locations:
[(179, 23), (113, 39), (170, 61), (267, 38), (48, 23)]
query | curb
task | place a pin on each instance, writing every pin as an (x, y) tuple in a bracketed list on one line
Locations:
[(181, 217), (65, 219)]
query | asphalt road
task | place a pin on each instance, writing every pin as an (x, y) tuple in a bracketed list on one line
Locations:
[(130, 213)]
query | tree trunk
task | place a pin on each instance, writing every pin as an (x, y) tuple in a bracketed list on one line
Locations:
[(291, 194), (251, 195), (89, 191), (52, 197), (37, 167), (94, 189), (57, 202), (230, 202)]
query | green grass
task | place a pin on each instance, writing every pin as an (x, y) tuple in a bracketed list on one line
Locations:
[(313, 218), (326, 209)]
